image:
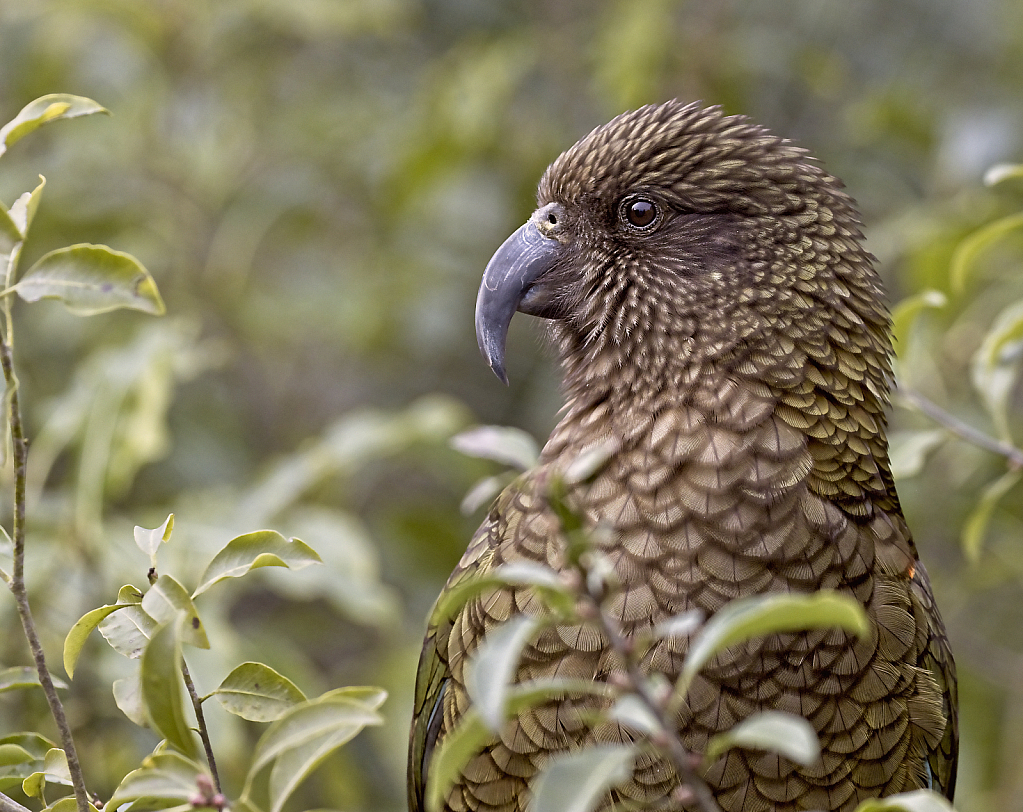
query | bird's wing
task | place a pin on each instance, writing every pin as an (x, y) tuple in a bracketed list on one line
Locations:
[(937, 658), (434, 673)]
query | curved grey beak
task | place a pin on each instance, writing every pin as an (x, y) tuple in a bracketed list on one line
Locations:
[(519, 262)]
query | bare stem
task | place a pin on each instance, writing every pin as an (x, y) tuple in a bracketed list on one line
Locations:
[(10, 805), (204, 733), (19, 445), (681, 759), (961, 429)]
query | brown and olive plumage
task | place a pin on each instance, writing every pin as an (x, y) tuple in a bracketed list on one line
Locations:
[(723, 332)]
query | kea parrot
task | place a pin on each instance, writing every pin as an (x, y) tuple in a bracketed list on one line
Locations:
[(723, 335)]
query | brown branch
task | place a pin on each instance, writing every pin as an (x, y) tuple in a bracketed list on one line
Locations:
[(204, 733), (19, 445), (961, 429), (668, 741)]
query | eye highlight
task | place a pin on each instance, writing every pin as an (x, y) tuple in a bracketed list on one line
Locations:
[(640, 212)]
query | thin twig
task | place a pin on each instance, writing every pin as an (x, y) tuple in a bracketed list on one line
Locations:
[(19, 445), (961, 429), (204, 733), (681, 759), (10, 805)]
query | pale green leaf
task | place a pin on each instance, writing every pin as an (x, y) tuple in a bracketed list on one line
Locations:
[(493, 666), (905, 313), (24, 209), (921, 800), (1002, 172), (258, 693), (994, 368), (128, 698), (162, 687), (55, 771), (263, 548), (21, 755), (310, 721), (681, 625), (515, 573), (293, 766), (966, 253), (165, 600), (24, 676), (578, 781), (908, 450), (783, 733), (631, 711), (11, 754), (775, 613), (75, 640), (149, 541), (483, 492), (44, 110), (10, 236), (91, 279), (368, 695), (980, 517), (588, 463), (510, 446), (128, 630), (166, 775)]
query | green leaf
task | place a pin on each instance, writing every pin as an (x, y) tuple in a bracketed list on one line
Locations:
[(980, 517), (1002, 172), (510, 446), (149, 541), (631, 711), (921, 800), (162, 687), (309, 722), (905, 313), (908, 450), (966, 253), (24, 676), (483, 492), (128, 595), (589, 462), (515, 573), (307, 733), (16, 764), (493, 666), (776, 731), (167, 775), (681, 625), (471, 734), (994, 368), (128, 698), (165, 600), (24, 209), (10, 236), (775, 613), (91, 279), (578, 782), (258, 693), (44, 110), (263, 548), (128, 630), (55, 771)]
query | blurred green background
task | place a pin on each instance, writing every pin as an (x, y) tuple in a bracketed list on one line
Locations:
[(316, 186)]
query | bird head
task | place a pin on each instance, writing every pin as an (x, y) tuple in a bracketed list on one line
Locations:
[(675, 235)]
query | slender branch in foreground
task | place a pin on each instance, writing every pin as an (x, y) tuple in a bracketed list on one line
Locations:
[(961, 429), (19, 445), (204, 733), (10, 805), (668, 741)]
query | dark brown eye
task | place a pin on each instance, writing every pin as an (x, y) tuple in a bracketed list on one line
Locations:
[(640, 212)]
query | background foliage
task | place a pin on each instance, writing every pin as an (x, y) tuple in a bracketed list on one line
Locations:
[(317, 185)]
